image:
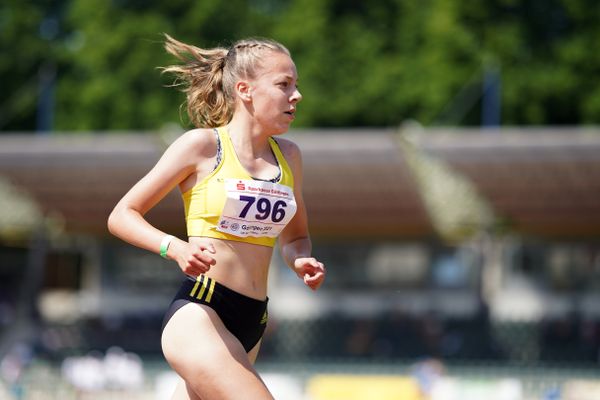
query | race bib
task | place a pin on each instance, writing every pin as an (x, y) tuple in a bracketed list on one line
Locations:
[(256, 208)]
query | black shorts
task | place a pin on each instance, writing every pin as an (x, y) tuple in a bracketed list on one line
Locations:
[(245, 317)]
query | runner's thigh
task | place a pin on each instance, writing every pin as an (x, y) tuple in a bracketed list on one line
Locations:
[(208, 357)]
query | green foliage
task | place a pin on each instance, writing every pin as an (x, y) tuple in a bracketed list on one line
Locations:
[(360, 63), (23, 50)]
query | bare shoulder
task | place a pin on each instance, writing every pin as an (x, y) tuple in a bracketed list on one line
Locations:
[(290, 150), (197, 140), (194, 145)]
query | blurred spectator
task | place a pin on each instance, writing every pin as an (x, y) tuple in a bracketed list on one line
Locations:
[(117, 370), (13, 365), (427, 372)]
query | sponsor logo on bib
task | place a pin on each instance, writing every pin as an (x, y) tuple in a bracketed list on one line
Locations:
[(256, 208)]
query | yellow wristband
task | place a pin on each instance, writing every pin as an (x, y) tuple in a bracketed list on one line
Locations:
[(164, 245)]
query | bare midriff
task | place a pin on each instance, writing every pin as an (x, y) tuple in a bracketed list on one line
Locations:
[(240, 266)]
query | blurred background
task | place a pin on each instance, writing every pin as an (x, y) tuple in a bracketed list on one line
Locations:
[(452, 178)]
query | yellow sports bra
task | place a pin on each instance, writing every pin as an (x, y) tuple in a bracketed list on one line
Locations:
[(230, 204)]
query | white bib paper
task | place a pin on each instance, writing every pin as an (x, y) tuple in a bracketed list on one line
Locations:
[(256, 208)]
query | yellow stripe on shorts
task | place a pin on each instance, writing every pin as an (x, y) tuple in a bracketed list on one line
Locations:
[(203, 288), (198, 279), (203, 282), (210, 291)]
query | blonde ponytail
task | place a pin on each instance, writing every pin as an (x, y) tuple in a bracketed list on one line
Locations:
[(208, 76), (201, 77)]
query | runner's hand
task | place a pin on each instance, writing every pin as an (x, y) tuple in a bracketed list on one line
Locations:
[(193, 258), (311, 271)]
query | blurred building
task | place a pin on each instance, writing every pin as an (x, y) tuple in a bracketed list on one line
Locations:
[(459, 244)]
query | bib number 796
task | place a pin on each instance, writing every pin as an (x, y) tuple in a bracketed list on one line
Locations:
[(264, 208)]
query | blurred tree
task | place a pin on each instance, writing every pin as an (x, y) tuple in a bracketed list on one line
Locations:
[(547, 54), (111, 80), (27, 29), (360, 63), (378, 63)]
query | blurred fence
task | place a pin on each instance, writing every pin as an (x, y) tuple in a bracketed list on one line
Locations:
[(385, 338)]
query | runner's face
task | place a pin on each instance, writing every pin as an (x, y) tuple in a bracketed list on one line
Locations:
[(274, 93)]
